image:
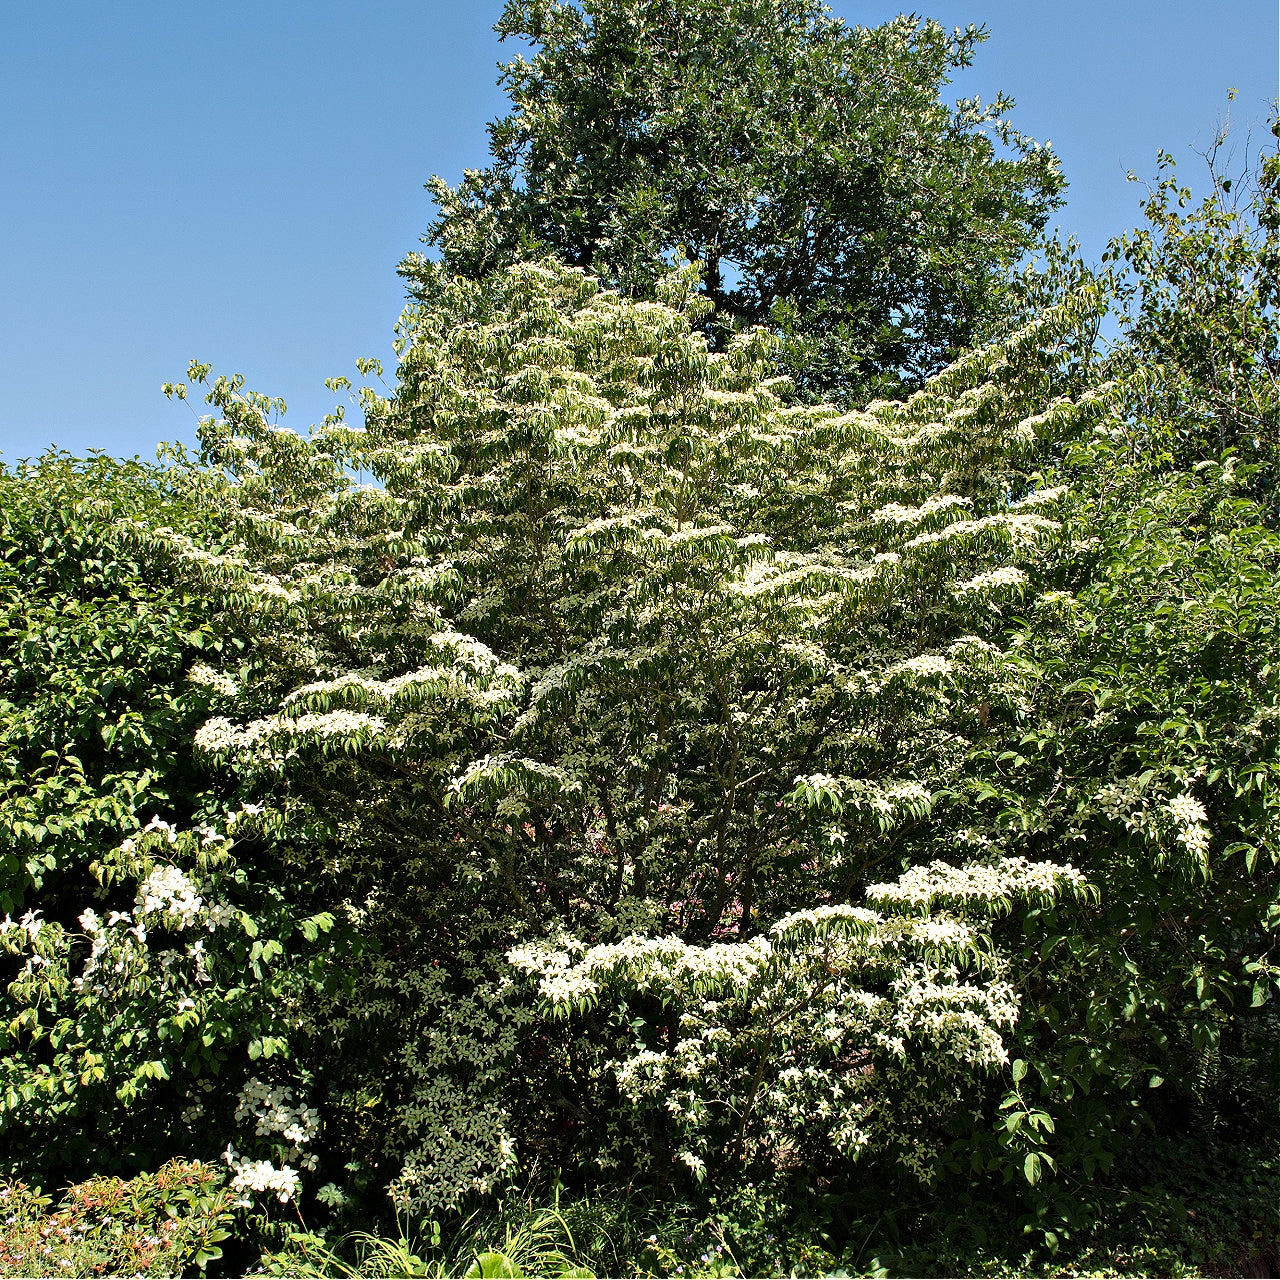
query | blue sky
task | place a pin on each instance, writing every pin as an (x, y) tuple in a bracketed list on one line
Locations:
[(237, 181)]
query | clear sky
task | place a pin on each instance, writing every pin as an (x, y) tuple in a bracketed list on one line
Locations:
[(237, 181)]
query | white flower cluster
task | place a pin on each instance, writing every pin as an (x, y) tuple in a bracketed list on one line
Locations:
[(693, 533), (266, 737), (1187, 810), (666, 960), (237, 816), (203, 674), (163, 828), (927, 664), (118, 939), (1025, 431), (816, 918), (468, 652), (91, 923), (274, 1113), (901, 799), (569, 973), (30, 924), (1056, 600), (974, 648), (772, 576), (219, 915), (513, 774), (1040, 497), (1117, 803), (475, 676), (1191, 817), (992, 580), (781, 1030), (169, 891), (964, 1018), (976, 883), (369, 686), (945, 935), (1149, 815), (1021, 529), (895, 513), (261, 1175), (909, 793)]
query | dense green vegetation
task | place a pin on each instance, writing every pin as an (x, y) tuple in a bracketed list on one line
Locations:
[(684, 816), (813, 169)]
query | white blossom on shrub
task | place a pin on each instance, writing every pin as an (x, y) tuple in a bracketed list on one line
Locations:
[(167, 891), (261, 1175)]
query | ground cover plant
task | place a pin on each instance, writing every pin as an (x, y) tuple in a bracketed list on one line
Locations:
[(632, 802)]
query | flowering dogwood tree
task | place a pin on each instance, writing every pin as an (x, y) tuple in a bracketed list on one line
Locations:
[(622, 650), (600, 760)]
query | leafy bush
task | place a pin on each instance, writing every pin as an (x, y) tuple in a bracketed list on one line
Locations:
[(134, 972), (157, 1224)]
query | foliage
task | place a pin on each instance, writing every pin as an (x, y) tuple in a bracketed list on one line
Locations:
[(835, 1032), (136, 973), (157, 1224), (813, 169), (1152, 738), (1177, 1207), (1195, 293), (97, 721), (539, 1243), (1151, 753), (97, 725)]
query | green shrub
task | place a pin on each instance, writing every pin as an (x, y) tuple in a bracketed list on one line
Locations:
[(157, 1224)]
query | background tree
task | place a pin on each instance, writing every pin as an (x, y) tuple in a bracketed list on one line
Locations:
[(812, 168), (1195, 292)]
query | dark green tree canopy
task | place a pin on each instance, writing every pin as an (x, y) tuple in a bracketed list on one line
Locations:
[(812, 168)]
